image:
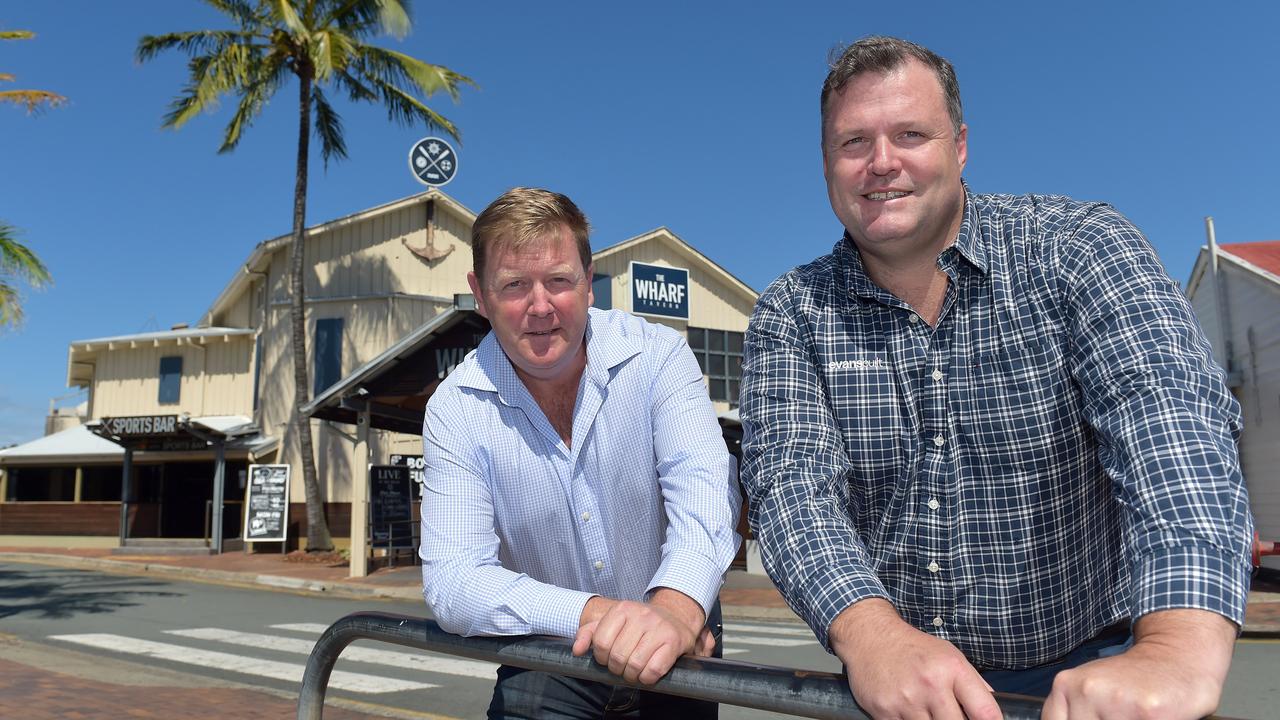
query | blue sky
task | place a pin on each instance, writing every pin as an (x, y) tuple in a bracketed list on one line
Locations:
[(702, 117)]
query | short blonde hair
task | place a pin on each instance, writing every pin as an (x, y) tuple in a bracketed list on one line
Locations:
[(523, 216)]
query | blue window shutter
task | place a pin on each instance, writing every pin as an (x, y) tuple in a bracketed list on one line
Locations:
[(170, 380), (602, 289), (328, 354)]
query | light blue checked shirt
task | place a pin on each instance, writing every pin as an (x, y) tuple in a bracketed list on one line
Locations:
[(519, 531), (1058, 454)]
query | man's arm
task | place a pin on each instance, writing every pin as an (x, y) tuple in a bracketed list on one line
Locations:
[(641, 641), (1166, 426), (795, 473), (1175, 669), (466, 587)]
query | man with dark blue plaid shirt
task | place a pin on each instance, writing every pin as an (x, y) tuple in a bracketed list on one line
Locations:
[(986, 446)]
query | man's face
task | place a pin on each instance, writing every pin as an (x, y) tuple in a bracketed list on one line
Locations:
[(892, 160), (536, 299)]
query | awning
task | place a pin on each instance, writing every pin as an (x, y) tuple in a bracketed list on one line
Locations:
[(75, 443), (395, 385)]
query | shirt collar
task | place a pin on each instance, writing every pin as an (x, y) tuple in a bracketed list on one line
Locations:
[(607, 347), (971, 243)]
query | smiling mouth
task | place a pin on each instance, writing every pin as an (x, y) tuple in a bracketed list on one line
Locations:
[(540, 332), (892, 195)]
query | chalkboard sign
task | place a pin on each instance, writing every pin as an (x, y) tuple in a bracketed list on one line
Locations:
[(390, 509), (267, 503)]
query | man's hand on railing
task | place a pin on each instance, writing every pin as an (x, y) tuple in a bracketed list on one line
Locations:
[(641, 641)]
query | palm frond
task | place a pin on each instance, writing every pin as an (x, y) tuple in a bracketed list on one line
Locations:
[(10, 305), (288, 16), (19, 261), (34, 100), (357, 91), (243, 13), (362, 18), (406, 109), (399, 69), (253, 99), (196, 42), (328, 128)]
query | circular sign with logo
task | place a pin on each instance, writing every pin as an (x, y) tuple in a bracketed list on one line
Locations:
[(433, 161)]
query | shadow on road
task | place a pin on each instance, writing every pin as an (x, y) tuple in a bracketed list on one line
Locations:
[(54, 594)]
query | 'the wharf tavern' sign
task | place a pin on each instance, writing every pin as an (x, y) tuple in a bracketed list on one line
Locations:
[(659, 290)]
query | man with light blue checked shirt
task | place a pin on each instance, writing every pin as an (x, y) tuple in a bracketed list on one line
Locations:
[(576, 482), (985, 444)]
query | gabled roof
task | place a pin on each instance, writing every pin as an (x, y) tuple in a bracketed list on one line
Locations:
[(261, 255), (1264, 255), (665, 235)]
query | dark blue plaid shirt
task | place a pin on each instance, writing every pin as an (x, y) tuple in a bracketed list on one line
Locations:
[(1058, 454)]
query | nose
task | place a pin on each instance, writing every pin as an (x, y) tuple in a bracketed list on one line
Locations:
[(884, 159), (540, 300)]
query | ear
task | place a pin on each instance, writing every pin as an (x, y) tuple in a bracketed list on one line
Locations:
[(478, 293), (591, 284), (962, 146)]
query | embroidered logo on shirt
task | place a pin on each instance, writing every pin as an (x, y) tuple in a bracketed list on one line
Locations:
[(860, 364)]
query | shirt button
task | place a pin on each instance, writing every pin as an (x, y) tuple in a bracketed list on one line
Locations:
[(939, 440), (937, 622), (599, 564), (913, 318), (936, 375), (586, 516), (933, 504), (933, 567)]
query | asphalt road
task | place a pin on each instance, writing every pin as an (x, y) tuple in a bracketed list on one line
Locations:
[(261, 638)]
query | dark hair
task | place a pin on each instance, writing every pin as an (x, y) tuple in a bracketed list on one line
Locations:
[(522, 216), (883, 54)]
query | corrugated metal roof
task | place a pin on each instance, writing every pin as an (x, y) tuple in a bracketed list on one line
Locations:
[(76, 441), (1265, 254), (196, 332)]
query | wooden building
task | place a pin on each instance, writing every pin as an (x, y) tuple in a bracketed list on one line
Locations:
[(374, 280)]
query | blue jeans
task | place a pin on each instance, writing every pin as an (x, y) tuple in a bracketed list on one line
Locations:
[(522, 694), (1038, 681)]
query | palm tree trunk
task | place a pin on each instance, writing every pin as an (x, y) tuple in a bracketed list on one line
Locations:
[(318, 538)]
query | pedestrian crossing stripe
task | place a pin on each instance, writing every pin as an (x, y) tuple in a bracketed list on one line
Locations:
[(317, 628), (289, 672), (801, 631), (408, 660)]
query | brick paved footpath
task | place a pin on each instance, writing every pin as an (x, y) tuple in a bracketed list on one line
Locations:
[(30, 693)]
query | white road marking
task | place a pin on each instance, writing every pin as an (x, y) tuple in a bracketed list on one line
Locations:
[(769, 641), (318, 628), (416, 661), (803, 632), (353, 682)]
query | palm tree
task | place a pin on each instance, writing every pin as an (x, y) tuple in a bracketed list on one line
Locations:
[(322, 44), (16, 261), (33, 99)]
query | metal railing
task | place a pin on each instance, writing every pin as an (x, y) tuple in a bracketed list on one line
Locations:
[(802, 693)]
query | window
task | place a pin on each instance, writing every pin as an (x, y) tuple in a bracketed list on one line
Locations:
[(328, 353), (170, 379), (602, 289), (719, 354)]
